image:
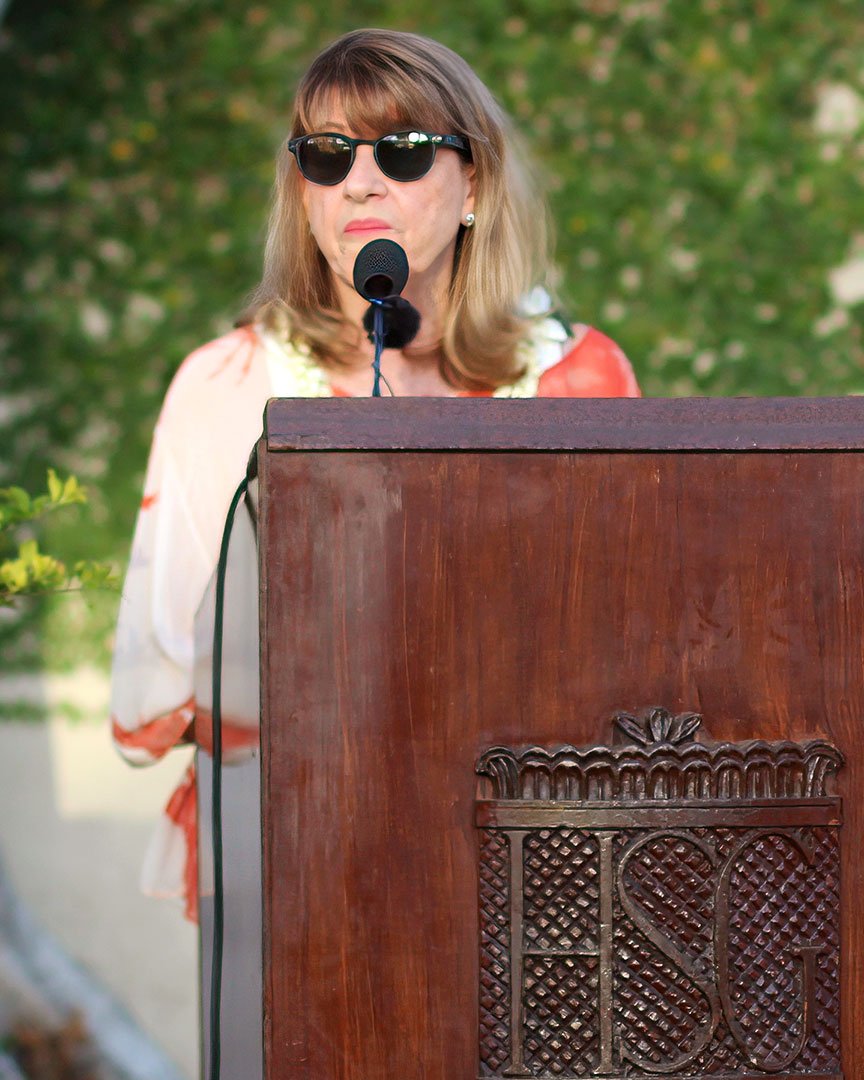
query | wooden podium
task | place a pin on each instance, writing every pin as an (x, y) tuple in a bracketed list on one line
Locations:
[(562, 746)]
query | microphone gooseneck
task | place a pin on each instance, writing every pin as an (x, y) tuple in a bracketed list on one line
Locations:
[(391, 322)]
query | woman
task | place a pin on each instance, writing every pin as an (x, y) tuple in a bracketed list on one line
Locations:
[(393, 136)]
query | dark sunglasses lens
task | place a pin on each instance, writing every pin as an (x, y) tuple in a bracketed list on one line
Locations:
[(405, 157), (324, 159)]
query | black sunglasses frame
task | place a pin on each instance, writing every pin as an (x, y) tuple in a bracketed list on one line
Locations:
[(453, 142)]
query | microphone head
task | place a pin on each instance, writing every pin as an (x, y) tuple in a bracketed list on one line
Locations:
[(380, 270)]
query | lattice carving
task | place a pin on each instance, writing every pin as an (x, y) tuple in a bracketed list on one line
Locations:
[(561, 896), (494, 952), (660, 908), (561, 1023)]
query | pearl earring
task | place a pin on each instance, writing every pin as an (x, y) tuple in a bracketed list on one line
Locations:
[(469, 220)]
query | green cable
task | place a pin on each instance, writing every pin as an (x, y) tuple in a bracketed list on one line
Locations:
[(216, 807)]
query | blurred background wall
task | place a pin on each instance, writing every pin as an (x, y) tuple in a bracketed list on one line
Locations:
[(704, 160)]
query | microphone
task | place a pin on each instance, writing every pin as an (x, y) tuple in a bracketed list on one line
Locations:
[(380, 274), (380, 270)]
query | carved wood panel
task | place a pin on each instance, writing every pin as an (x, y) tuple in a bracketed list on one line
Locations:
[(660, 908), (423, 607)]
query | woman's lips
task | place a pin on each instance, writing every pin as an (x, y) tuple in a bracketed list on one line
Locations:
[(361, 225)]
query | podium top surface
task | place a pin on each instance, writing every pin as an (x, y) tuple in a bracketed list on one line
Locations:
[(552, 424)]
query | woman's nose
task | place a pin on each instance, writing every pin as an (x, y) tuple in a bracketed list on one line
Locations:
[(365, 178)]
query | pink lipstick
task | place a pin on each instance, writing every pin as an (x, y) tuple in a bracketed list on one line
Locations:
[(360, 225)]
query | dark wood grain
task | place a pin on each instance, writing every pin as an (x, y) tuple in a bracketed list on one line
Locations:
[(735, 424), (419, 608)]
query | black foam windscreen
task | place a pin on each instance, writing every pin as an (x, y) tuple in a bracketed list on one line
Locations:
[(380, 270), (401, 322)]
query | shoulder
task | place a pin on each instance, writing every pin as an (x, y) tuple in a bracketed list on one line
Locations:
[(590, 364), (213, 411), (229, 368)]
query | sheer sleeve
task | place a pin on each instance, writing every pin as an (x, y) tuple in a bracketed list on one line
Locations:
[(209, 423), (152, 705)]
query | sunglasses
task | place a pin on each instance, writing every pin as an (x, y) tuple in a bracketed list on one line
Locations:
[(327, 158)]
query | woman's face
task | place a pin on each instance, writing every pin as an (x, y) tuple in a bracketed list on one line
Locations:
[(423, 216)]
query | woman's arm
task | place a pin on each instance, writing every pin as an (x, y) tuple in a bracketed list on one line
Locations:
[(152, 705), (207, 427)]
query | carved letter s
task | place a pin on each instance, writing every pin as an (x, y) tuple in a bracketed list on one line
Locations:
[(702, 979)]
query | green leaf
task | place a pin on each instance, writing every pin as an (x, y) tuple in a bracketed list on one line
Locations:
[(55, 486), (17, 501), (72, 492), (96, 575), (13, 576), (28, 550)]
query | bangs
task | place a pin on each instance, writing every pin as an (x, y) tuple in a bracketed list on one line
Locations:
[(373, 104)]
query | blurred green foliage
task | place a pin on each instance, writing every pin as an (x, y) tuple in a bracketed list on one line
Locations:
[(704, 160), (25, 571)]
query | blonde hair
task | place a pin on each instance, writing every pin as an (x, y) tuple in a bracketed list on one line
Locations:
[(385, 80)]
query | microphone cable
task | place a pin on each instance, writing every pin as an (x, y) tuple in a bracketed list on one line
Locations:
[(216, 804)]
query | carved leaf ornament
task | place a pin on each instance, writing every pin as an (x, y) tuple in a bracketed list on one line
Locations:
[(662, 907), (658, 726)]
